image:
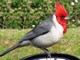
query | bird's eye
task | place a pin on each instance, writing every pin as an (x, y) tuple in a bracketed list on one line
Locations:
[(62, 16)]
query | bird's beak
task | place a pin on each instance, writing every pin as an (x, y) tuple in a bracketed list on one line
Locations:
[(66, 18)]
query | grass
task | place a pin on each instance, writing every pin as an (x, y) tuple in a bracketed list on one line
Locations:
[(69, 44)]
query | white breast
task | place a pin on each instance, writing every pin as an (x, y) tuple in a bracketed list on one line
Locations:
[(53, 36)]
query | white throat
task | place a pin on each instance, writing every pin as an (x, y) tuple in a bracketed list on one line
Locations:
[(57, 25)]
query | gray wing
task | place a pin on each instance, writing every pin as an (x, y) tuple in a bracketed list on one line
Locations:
[(41, 29)]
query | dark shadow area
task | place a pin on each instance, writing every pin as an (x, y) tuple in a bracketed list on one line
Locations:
[(54, 56)]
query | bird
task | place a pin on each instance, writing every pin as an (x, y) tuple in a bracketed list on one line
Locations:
[(45, 34)]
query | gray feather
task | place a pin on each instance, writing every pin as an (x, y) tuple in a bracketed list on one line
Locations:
[(41, 29)]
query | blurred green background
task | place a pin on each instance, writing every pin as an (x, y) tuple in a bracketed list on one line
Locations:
[(19, 16)]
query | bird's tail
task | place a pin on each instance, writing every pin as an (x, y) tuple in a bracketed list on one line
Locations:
[(10, 49), (14, 47)]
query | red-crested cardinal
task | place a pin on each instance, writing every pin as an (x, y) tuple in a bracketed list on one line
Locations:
[(46, 33)]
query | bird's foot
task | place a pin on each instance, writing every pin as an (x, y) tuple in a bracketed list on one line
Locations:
[(49, 54)]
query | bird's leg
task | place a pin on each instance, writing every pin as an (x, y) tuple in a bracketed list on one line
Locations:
[(47, 52)]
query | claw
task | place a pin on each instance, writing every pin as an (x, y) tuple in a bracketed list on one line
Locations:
[(47, 52), (49, 55)]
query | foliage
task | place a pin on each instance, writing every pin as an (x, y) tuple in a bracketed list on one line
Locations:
[(26, 13)]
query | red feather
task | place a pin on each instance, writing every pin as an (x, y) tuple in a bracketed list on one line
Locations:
[(60, 10), (63, 23)]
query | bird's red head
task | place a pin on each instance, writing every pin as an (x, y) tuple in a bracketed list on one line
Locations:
[(60, 10), (61, 14)]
